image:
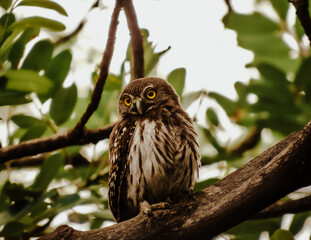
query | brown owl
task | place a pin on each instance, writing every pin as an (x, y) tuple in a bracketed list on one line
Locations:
[(153, 151)]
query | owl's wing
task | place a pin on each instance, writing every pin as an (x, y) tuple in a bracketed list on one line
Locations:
[(118, 157)]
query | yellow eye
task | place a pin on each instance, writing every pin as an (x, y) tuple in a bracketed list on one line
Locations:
[(127, 101), (151, 94)]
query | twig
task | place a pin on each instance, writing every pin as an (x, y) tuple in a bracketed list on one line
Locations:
[(283, 207), (302, 12), (57, 141), (136, 40), (248, 143), (104, 68)]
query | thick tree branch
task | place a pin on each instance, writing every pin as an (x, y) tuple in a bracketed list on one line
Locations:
[(137, 48), (302, 12), (270, 176), (283, 207), (41, 145)]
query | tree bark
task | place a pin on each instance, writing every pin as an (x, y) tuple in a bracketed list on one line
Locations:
[(270, 176)]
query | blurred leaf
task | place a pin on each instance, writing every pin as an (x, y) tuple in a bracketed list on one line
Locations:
[(303, 78), (78, 217), (5, 21), (96, 223), (261, 35), (34, 132), (44, 4), (48, 171), (212, 117), (227, 104), (251, 230), (298, 222), (177, 78), (151, 58), (65, 202), (50, 24), (39, 56), (25, 121), (5, 4), (280, 7), (18, 48), (190, 97), (282, 234), (199, 186), (10, 97), (13, 229), (25, 81), (63, 104), (113, 83), (6, 46), (299, 29)]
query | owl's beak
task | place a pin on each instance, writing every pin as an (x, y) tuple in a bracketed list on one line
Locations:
[(139, 106)]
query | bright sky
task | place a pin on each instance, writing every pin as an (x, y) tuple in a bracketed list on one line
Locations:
[(193, 29)]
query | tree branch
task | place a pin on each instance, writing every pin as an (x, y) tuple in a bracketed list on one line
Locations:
[(136, 40), (270, 176), (104, 69), (302, 12), (284, 207), (41, 145)]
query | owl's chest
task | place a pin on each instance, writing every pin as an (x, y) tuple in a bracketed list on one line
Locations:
[(150, 159)]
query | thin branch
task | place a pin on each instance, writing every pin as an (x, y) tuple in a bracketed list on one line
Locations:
[(283, 207), (248, 143), (136, 40), (104, 68), (41, 145), (302, 12), (280, 170)]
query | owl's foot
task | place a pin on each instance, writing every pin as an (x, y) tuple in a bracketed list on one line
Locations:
[(146, 208)]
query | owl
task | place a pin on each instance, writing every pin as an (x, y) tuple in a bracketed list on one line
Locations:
[(153, 150)]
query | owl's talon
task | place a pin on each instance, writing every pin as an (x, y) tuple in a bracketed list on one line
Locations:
[(146, 208), (160, 205)]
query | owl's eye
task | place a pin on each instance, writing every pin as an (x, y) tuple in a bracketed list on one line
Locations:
[(151, 93), (127, 101)]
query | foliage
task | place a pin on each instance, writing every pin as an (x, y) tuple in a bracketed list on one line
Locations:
[(31, 79)]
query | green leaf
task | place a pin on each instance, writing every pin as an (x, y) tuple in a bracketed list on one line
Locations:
[(59, 68), (177, 78), (282, 234), (113, 83), (10, 97), (299, 29), (212, 117), (298, 222), (50, 24), (281, 7), (63, 104), (25, 121), (13, 229), (303, 78), (44, 4), (18, 48), (39, 56), (34, 132), (25, 81), (6, 46), (204, 184), (48, 171), (227, 104), (261, 35), (78, 217), (251, 230), (5, 4), (191, 97), (65, 202)]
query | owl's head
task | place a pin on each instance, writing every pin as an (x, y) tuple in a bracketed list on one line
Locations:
[(146, 94)]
